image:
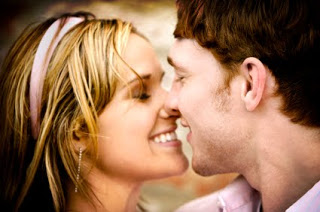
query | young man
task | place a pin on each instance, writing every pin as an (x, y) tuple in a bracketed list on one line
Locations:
[(247, 86)]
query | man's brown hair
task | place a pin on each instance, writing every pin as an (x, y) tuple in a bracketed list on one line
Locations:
[(283, 34)]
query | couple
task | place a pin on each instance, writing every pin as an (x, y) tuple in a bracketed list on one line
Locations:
[(86, 122)]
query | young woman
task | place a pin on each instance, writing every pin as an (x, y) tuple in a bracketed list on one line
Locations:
[(83, 123)]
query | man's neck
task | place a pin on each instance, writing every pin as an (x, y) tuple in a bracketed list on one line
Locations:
[(279, 192), (288, 157)]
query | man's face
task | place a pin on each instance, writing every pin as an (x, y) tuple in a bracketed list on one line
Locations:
[(212, 111)]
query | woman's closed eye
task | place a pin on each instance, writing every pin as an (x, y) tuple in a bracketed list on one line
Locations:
[(139, 92), (143, 96)]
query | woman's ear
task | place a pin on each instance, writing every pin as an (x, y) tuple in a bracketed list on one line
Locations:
[(80, 138), (78, 135), (253, 86), (79, 142)]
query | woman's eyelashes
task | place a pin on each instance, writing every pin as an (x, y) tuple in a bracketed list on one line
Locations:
[(140, 94), (143, 96), (143, 91)]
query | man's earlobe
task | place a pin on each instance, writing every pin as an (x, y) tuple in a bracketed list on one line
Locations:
[(253, 86)]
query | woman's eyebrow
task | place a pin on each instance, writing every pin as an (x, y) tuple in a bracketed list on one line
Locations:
[(143, 77)]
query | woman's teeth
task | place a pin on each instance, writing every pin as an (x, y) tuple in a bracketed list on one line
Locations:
[(165, 137)]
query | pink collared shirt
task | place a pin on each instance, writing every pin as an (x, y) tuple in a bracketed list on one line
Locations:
[(310, 201), (236, 197), (239, 196)]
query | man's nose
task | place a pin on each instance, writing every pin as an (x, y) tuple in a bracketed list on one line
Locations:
[(171, 104)]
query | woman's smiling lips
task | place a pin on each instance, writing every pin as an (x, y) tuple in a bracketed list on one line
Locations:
[(166, 138)]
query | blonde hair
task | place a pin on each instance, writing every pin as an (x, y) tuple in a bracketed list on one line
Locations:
[(81, 79)]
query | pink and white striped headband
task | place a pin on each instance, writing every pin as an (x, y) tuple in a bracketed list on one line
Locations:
[(40, 65)]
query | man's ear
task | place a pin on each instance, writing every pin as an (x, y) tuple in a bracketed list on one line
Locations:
[(253, 86)]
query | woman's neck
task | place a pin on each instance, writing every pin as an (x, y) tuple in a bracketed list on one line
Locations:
[(108, 194)]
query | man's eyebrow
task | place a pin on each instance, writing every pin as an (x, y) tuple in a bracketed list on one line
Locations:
[(170, 61), (174, 65)]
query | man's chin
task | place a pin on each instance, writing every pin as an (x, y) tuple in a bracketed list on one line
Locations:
[(202, 169)]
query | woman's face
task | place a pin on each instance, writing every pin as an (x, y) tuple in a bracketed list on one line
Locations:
[(137, 137)]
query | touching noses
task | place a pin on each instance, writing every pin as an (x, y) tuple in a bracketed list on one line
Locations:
[(167, 110), (171, 104)]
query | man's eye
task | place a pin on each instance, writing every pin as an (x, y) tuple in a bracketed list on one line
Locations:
[(179, 78)]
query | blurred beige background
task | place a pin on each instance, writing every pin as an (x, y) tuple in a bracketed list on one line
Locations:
[(156, 20)]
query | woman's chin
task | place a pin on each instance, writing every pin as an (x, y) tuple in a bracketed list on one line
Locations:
[(178, 169)]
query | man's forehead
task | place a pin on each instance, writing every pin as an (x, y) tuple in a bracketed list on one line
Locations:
[(184, 51), (185, 43)]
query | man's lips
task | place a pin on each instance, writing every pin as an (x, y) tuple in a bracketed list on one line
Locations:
[(184, 123), (189, 136)]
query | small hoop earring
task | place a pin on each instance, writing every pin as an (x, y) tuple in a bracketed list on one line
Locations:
[(78, 172)]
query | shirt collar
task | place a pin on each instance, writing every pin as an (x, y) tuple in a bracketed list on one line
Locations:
[(239, 195), (310, 201)]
